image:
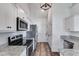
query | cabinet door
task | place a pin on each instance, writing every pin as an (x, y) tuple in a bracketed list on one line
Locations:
[(76, 23), (69, 24), (10, 17), (2, 17), (8, 14), (20, 12)]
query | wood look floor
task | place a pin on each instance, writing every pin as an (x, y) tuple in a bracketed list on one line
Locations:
[(43, 49)]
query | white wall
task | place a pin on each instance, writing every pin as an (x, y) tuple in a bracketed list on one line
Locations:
[(41, 26), (59, 12), (49, 27)]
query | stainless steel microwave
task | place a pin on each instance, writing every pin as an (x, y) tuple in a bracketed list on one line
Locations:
[(21, 24)]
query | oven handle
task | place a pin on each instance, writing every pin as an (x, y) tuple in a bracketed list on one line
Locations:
[(29, 45)]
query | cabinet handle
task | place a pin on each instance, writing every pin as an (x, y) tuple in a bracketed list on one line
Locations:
[(9, 27)]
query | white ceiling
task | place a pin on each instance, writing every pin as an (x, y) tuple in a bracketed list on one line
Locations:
[(35, 11)]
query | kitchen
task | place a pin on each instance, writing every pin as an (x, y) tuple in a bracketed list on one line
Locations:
[(27, 28)]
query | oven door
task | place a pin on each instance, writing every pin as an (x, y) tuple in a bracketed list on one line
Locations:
[(29, 50)]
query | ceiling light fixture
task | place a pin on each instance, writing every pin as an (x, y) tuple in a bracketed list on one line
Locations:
[(45, 6)]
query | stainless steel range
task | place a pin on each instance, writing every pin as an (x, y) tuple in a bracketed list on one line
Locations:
[(17, 40)]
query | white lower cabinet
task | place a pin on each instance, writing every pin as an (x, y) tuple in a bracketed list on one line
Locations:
[(8, 14)]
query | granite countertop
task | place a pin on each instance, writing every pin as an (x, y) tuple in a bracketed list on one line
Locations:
[(72, 39), (12, 50)]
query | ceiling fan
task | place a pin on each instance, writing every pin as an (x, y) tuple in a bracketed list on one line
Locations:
[(46, 6)]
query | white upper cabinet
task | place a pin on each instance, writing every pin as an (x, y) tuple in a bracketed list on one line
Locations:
[(75, 8), (8, 14), (72, 23), (21, 13), (11, 17)]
